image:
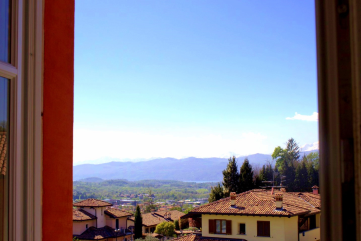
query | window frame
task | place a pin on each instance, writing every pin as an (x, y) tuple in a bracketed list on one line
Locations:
[(263, 229), (221, 229), (25, 145)]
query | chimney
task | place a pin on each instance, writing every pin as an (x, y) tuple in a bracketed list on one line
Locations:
[(233, 198), (279, 201), (315, 189), (272, 191)]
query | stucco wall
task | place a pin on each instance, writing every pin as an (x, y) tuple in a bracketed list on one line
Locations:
[(291, 228), (58, 96), (277, 227), (310, 235), (111, 222), (80, 226)]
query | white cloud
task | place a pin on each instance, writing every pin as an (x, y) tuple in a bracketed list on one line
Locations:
[(313, 117), (92, 145)]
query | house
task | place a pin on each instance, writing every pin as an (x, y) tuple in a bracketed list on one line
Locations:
[(151, 220), (95, 220), (259, 213)]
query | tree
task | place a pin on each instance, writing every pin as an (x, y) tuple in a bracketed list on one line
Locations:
[(176, 224), (138, 223), (246, 177), (286, 160), (313, 169), (231, 177), (301, 177), (217, 193), (165, 228)]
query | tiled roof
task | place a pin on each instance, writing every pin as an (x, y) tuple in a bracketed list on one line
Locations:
[(105, 232), (82, 215), (3, 152), (150, 219), (262, 202), (175, 214), (91, 202), (116, 213)]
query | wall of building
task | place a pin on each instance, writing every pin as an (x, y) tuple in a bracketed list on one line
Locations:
[(291, 228), (80, 226), (310, 235), (111, 222), (277, 226), (58, 96)]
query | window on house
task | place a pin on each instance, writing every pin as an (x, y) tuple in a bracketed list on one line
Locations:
[(263, 229), (242, 228), (86, 226), (220, 226), (117, 224)]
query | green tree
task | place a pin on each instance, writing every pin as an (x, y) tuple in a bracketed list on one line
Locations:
[(313, 169), (231, 177), (138, 223), (301, 177), (176, 224), (246, 177), (165, 228), (217, 193)]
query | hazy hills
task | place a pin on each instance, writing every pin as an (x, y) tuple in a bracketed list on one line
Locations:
[(187, 169)]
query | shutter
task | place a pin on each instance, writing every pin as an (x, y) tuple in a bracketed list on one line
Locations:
[(259, 228), (229, 227), (212, 226), (267, 229)]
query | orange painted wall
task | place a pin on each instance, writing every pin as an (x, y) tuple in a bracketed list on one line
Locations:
[(58, 119)]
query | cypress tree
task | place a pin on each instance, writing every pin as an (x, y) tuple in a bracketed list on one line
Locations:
[(231, 177), (246, 177), (138, 223)]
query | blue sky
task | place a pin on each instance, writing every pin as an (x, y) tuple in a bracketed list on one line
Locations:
[(199, 78)]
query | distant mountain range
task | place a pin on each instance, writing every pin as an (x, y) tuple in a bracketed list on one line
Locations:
[(186, 169)]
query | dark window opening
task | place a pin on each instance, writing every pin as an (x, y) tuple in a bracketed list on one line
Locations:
[(263, 229), (117, 224), (242, 228)]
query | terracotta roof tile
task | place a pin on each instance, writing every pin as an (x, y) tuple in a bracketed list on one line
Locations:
[(105, 232), (117, 213), (82, 215), (150, 219), (262, 202), (174, 214), (91, 202)]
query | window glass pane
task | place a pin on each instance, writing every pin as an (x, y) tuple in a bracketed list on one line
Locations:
[(224, 226), (242, 228), (218, 226), (5, 30), (4, 147)]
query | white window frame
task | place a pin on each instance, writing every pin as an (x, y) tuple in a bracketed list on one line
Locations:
[(25, 146)]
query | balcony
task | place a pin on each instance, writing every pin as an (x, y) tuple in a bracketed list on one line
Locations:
[(312, 234)]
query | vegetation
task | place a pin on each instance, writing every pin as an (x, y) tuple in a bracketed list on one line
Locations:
[(176, 224), (246, 177), (231, 177), (216, 193), (162, 189), (165, 228), (148, 238), (298, 175), (138, 223)]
